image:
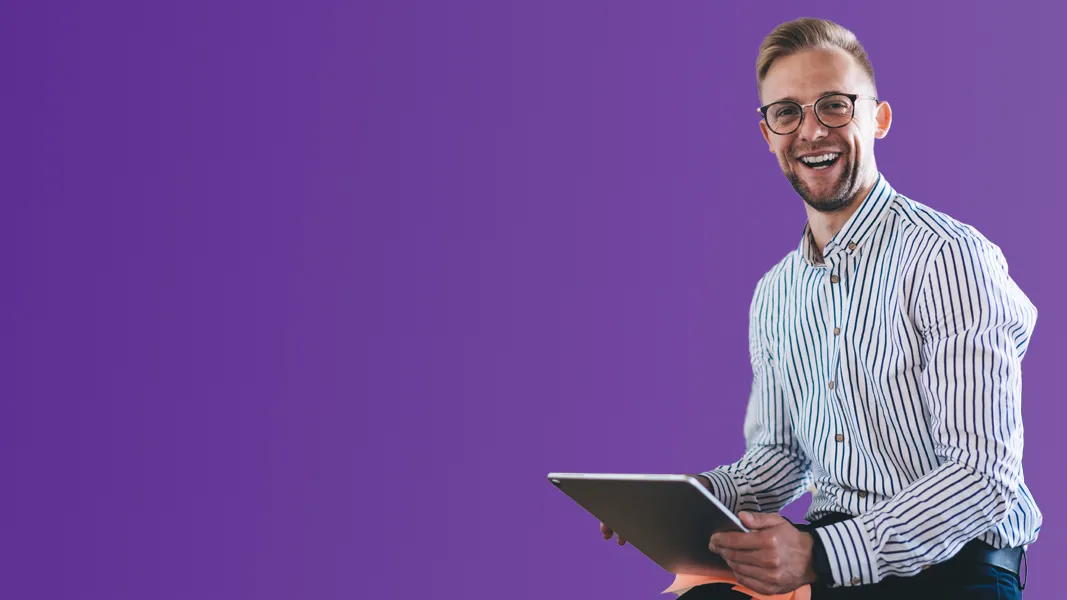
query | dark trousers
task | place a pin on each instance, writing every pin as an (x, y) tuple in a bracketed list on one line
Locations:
[(956, 579), (968, 582)]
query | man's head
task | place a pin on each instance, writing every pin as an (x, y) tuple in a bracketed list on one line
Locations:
[(804, 61)]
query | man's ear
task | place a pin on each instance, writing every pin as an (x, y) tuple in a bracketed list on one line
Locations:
[(766, 135), (883, 118)]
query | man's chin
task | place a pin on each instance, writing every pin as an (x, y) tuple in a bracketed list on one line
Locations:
[(828, 205), (828, 199)]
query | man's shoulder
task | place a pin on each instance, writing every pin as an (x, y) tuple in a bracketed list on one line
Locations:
[(913, 220), (955, 242), (777, 279)]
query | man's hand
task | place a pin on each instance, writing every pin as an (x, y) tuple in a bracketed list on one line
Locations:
[(607, 533), (773, 558)]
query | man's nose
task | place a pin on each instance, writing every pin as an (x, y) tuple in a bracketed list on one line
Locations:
[(811, 128)]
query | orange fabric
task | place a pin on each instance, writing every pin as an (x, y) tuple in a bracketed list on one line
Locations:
[(683, 583)]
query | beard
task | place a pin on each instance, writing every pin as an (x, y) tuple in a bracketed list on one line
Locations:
[(841, 195)]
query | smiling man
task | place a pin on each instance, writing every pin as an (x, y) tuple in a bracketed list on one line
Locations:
[(886, 352)]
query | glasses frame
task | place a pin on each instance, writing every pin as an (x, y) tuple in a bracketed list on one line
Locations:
[(852, 97)]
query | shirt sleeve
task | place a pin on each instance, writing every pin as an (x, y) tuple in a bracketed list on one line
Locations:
[(975, 325), (774, 469)]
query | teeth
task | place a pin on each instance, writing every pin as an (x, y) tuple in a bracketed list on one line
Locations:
[(821, 158)]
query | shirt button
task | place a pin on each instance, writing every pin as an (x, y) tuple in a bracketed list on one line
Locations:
[(837, 331), (834, 279), (862, 494), (855, 581), (852, 245), (830, 385), (840, 437)]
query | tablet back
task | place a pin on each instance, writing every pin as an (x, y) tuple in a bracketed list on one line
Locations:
[(669, 518)]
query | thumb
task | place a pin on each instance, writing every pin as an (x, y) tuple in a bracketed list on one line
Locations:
[(757, 521)]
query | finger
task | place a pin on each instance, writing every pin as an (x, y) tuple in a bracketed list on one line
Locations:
[(762, 559), (756, 521), (606, 532), (622, 541), (740, 541), (727, 540)]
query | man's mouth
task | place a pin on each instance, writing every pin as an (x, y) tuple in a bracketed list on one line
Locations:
[(820, 161)]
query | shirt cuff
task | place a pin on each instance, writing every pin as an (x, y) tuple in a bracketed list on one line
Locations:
[(820, 563), (848, 551), (723, 488)]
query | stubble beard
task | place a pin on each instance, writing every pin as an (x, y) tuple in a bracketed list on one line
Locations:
[(841, 197)]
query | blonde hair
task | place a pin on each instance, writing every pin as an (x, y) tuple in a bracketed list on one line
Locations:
[(809, 34)]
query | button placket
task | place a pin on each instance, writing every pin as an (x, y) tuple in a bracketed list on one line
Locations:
[(840, 293), (836, 303)]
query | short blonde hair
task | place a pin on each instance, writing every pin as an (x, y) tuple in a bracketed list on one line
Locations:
[(809, 34)]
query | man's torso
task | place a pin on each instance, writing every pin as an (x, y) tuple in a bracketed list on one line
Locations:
[(842, 334)]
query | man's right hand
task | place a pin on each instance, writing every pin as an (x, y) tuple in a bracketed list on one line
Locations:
[(607, 533)]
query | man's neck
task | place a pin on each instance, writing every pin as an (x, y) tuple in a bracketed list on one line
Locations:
[(824, 226)]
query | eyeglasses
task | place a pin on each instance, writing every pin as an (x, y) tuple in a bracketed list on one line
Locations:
[(832, 110)]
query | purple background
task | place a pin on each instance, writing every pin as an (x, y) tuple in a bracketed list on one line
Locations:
[(303, 300)]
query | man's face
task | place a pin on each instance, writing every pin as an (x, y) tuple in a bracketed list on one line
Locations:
[(805, 77)]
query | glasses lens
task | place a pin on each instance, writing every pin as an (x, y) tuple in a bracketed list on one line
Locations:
[(834, 111), (783, 117)]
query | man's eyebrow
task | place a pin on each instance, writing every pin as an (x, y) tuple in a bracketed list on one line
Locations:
[(792, 99)]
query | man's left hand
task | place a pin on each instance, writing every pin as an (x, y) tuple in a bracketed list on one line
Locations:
[(773, 558)]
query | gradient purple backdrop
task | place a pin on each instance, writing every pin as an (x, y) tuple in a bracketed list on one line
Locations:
[(303, 300)]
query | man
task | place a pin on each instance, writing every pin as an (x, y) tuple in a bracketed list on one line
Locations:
[(886, 356)]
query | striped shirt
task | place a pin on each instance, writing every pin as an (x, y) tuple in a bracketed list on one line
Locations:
[(886, 373)]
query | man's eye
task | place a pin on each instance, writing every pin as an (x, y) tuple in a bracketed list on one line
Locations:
[(785, 112)]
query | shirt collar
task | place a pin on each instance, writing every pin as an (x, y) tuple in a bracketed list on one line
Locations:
[(856, 230)]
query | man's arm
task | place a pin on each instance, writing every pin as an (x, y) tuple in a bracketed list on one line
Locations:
[(774, 469), (976, 327)]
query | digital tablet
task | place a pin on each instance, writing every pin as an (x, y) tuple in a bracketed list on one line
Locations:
[(668, 518)]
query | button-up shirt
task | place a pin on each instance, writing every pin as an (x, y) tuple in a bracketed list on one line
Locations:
[(886, 373)]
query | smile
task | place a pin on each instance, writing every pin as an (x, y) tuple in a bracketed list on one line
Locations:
[(821, 161)]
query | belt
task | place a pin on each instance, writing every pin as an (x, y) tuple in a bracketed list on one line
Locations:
[(1009, 559), (1012, 560)]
